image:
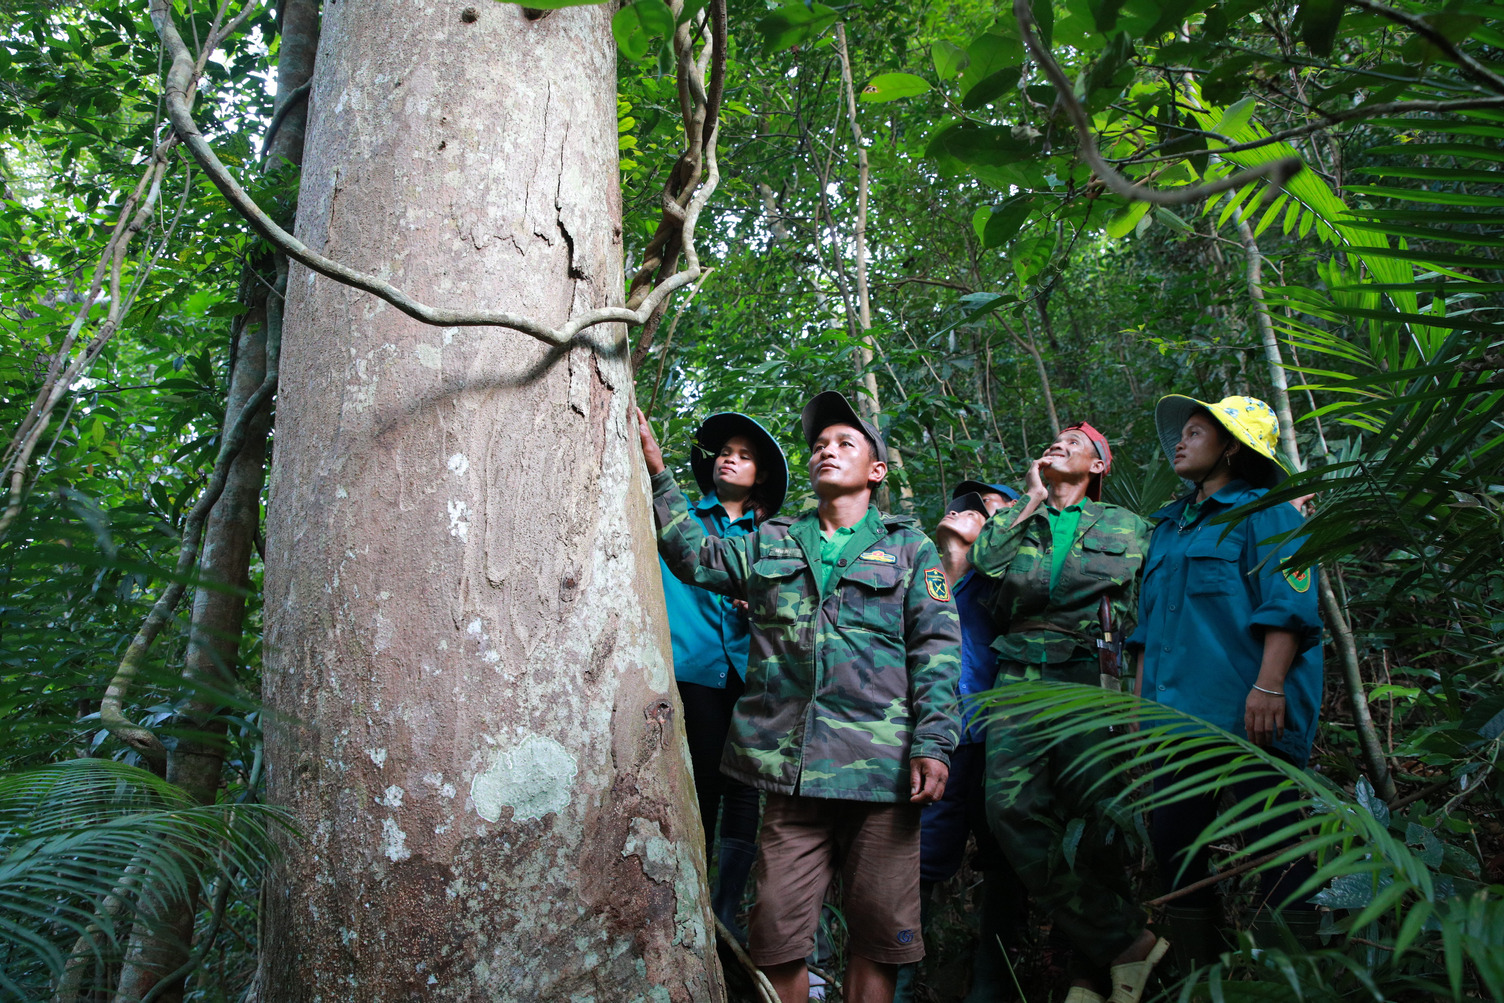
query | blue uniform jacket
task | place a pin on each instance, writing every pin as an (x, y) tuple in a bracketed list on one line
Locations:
[(1203, 612), (978, 660), (710, 635)]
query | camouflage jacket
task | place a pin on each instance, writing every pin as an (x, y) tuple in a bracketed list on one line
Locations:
[(1037, 626), (842, 687)]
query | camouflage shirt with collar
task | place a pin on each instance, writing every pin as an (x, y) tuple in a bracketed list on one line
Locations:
[(844, 686), (1038, 624)]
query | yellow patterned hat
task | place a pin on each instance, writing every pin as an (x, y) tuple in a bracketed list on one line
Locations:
[(1250, 420)]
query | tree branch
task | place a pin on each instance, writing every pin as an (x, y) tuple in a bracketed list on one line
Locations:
[(178, 85), (1276, 172)]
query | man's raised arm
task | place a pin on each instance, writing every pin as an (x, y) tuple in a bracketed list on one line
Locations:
[(695, 557)]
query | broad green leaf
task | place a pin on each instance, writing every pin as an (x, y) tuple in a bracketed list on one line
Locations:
[(1006, 220), (1318, 20), (1122, 222), (1105, 13), (979, 222), (1031, 255), (1235, 117), (892, 87), (1174, 222), (993, 66), (635, 26), (794, 23), (949, 59), (1171, 14)]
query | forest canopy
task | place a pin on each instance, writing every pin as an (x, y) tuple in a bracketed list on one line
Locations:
[(982, 222)]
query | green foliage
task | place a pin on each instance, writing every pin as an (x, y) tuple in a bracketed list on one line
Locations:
[(636, 24), (88, 845), (892, 87), (1402, 879)]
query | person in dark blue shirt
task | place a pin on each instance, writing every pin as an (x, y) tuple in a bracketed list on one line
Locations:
[(743, 475), (1228, 628), (962, 811)]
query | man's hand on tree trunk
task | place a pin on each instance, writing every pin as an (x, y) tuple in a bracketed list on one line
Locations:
[(650, 451)]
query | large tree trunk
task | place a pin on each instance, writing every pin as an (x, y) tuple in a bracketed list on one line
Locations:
[(466, 655)]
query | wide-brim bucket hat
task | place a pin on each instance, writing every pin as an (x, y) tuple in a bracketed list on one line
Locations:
[(1247, 419), (712, 435)]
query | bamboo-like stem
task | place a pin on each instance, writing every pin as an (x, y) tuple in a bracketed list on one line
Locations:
[(1336, 616), (871, 405)]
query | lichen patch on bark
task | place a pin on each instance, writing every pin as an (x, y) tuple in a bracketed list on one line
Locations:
[(533, 778)]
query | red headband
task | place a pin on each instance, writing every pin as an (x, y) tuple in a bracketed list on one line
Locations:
[(1104, 453)]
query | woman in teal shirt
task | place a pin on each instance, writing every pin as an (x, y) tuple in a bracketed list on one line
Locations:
[(1228, 627), (743, 474)]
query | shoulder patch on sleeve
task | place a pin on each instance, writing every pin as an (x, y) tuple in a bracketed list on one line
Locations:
[(1298, 579), (936, 585)]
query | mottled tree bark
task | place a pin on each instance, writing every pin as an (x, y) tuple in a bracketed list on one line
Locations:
[(467, 670), (160, 944)]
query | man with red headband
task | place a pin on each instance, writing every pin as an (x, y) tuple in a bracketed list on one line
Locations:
[(1054, 558)]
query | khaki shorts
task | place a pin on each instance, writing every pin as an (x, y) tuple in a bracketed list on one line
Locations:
[(807, 842)]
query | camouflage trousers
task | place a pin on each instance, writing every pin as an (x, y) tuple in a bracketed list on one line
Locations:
[(1048, 819)]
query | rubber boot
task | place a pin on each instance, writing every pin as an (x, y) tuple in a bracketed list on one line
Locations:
[(908, 973), (999, 928), (734, 867), (1195, 940)]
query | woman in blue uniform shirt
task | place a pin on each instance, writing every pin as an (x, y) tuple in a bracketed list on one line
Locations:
[(1228, 629), (743, 476)]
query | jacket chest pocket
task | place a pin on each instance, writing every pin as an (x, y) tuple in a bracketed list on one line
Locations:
[(872, 598), (777, 593), (1212, 567), (1106, 557)]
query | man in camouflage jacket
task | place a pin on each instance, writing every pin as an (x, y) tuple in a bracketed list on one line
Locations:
[(849, 714), (1053, 560)]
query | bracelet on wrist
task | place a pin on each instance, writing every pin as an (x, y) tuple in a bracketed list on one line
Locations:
[(1273, 693)]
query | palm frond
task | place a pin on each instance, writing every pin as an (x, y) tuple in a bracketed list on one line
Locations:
[(87, 846)]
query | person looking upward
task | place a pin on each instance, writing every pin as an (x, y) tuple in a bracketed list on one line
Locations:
[(1053, 560), (849, 714), (1229, 631), (743, 475)]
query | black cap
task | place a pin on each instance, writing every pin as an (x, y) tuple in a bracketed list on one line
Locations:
[(830, 408), (969, 502), (983, 488), (712, 435)]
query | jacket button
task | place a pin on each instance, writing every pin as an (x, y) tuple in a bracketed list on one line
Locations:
[(1167, 647), (1172, 607), (841, 563)]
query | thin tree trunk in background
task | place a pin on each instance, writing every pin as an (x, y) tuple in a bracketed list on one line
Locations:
[(870, 403), (467, 670), (1028, 345), (161, 944), (1342, 631)]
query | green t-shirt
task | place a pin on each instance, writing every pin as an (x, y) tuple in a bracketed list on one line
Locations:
[(1192, 510), (1063, 527), (831, 546)]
